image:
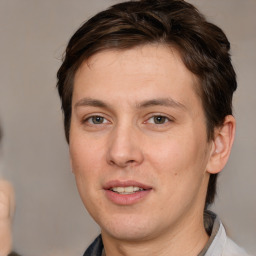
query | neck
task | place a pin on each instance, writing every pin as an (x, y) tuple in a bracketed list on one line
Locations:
[(187, 239)]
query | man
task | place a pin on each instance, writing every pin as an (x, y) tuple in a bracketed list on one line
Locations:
[(146, 89)]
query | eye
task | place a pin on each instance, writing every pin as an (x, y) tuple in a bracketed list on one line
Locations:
[(96, 120), (158, 119)]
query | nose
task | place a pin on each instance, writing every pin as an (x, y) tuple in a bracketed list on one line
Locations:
[(125, 147)]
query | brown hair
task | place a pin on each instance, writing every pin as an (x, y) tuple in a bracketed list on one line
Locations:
[(203, 47)]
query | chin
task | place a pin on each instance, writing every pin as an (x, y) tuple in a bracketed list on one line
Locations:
[(128, 228), (127, 234)]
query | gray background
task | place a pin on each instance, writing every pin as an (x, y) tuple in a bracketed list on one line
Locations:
[(50, 219)]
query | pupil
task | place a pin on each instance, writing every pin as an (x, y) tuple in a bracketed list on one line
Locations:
[(97, 120), (159, 119)]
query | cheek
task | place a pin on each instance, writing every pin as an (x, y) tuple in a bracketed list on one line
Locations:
[(180, 160), (180, 176), (82, 162), (85, 154), (170, 154), (86, 168), (88, 161)]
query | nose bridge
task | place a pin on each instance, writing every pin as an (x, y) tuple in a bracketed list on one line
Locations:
[(124, 146)]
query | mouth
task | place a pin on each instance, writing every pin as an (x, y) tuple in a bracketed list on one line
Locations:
[(126, 190), (126, 187)]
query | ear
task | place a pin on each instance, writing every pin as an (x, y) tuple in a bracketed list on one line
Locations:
[(221, 145)]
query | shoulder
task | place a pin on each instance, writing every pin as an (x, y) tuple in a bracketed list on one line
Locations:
[(219, 243), (232, 249)]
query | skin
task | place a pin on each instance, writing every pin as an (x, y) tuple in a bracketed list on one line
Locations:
[(6, 213), (129, 92)]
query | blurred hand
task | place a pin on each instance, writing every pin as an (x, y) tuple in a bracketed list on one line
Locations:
[(7, 204)]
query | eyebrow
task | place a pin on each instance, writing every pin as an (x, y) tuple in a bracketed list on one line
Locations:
[(166, 102), (91, 102)]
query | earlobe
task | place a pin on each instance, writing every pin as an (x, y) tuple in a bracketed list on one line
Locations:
[(222, 144)]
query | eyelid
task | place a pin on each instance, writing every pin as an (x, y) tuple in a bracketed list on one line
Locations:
[(166, 119), (89, 116), (152, 115), (89, 120)]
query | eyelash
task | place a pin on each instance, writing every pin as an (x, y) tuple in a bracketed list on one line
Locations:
[(89, 120), (154, 118)]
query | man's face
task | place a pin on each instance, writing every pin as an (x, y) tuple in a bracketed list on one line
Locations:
[(138, 142)]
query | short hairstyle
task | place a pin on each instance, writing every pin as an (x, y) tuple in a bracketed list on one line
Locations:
[(203, 47)]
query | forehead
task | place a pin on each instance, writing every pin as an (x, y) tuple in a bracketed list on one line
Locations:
[(155, 69)]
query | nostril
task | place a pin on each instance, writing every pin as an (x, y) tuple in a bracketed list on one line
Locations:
[(111, 162), (122, 163), (123, 153)]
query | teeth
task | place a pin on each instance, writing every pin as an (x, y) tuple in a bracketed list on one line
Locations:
[(126, 190)]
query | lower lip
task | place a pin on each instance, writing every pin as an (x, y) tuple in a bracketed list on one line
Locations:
[(127, 199)]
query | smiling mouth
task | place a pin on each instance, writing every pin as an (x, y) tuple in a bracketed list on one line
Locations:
[(126, 190)]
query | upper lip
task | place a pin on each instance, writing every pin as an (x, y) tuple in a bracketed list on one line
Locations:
[(125, 183)]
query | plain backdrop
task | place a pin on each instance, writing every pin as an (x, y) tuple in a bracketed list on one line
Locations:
[(50, 219)]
